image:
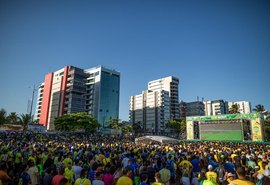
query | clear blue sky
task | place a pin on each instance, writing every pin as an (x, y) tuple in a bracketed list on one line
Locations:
[(218, 49)]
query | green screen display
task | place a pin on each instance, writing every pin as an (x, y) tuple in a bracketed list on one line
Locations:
[(233, 135)]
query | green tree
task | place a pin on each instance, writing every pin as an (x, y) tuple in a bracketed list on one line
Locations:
[(260, 109), (115, 123), (76, 121), (24, 120), (179, 126), (13, 118), (3, 116), (86, 122), (234, 109), (137, 128), (119, 125), (174, 124), (127, 128), (183, 129)]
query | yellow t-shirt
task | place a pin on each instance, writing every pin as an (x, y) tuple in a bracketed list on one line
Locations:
[(233, 155), (69, 173), (261, 167), (212, 176), (33, 159), (18, 157), (186, 164), (242, 182), (124, 180), (106, 161), (66, 161), (10, 156), (157, 183), (82, 181)]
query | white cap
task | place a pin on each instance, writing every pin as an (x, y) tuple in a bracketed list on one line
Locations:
[(210, 167), (266, 172), (259, 176)]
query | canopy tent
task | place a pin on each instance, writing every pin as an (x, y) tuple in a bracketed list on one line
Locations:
[(159, 139)]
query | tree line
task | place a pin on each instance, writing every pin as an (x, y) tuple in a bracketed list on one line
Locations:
[(85, 122)]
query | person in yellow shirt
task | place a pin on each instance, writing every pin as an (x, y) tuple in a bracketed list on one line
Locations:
[(185, 164), (67, 160), (83, 180), (106, 160), (125, 180), (69, 174), (210, 175), (230, 177), (241, 173), (32, 157), (158, 179), (18, 157)]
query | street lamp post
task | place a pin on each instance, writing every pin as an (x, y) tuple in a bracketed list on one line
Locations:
[(32, 102)]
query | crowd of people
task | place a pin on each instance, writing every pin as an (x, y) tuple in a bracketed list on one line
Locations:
[(85, 159)]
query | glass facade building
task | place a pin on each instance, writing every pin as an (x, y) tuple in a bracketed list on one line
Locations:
[(71, 89), (103, 92)]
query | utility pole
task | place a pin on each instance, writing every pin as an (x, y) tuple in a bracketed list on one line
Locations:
[(32, 102)]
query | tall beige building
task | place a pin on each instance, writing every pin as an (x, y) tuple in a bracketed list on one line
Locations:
[(154, 108), (244, 106), (151, 110), (169, 84)]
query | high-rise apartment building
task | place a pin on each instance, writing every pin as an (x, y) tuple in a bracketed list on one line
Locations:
[(215, 107), (196, 108), (244, 106), (151, 110), (39, 101), (169, 84), (156, 106), (71, 90)]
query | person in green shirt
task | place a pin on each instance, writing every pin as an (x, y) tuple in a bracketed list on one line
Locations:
[(165, 174), (67, 160), (69, 173)]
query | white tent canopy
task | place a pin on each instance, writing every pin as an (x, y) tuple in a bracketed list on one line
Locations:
[(160, 139)]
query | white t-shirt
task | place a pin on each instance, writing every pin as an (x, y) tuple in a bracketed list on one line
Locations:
[(125, 162), (33, 172), (98, 182), (195, 181), (77, 171)]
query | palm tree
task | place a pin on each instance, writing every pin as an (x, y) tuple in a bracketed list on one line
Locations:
[(3, 116), (260, 109), (24, 120), (13, 118), (234, 109)]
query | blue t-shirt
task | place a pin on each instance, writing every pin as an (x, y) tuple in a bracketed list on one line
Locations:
[(195, 163), (229, 167), (24, 179), (143, 183)]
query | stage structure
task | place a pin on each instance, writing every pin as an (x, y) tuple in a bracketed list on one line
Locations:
[(155, 139), (229, 127)]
